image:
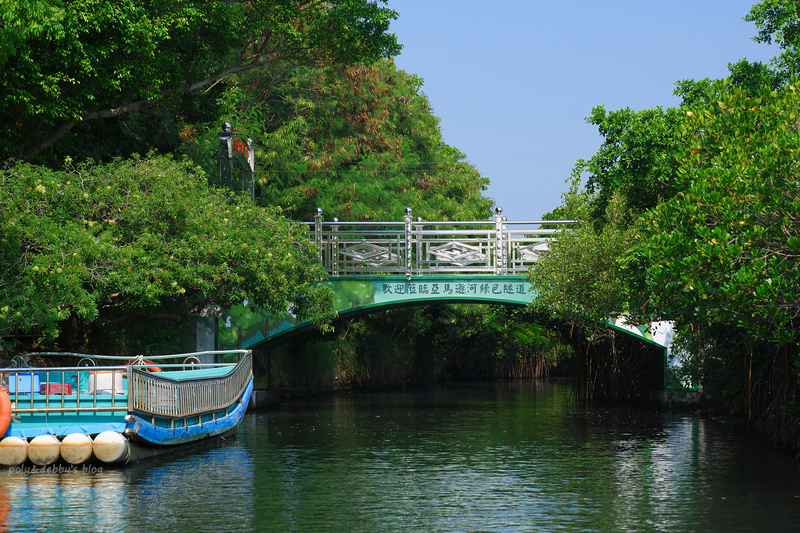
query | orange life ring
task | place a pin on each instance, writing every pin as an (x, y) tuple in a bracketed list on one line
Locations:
[(151, 366), (5, 411)]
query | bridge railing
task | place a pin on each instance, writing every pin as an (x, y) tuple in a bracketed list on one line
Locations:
[(416, 247)]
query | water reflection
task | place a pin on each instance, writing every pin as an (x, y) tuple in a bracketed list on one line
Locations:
[(202, 490), (48, 499), (511, 457), (212, 491)]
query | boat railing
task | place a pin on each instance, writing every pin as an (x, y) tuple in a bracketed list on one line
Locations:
[(65, 389), (158, 395), (76, 389)]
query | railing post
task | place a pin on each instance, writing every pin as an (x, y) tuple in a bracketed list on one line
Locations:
[(407, 220), (318, 234), (333, 248), (418, 228), (506, 245), (500, 251), (131, 388)]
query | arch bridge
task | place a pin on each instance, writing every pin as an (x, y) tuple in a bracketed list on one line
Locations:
[(383, 265), (375, 266)]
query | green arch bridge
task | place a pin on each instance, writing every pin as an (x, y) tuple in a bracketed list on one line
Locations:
[(375, 266), (381, 265)]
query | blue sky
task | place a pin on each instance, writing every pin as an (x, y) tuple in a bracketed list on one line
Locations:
[(513, 80)]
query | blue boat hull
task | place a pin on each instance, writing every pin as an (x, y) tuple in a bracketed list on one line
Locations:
[(143, 431)]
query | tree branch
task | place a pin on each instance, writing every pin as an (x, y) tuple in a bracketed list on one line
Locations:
[(193, 309), (254, 62)]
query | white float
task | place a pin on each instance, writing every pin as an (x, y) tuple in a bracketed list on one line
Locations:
[(111, 447), (44, 450), (13, 451), (76, 448)]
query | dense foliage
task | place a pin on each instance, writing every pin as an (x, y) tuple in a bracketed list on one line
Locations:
[(727, 247), (582, 275), (634, 160), (724, 254), (63, 63), (138, 240), (710, 210), (360, 142)]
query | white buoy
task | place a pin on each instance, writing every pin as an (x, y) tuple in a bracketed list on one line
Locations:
[(13, 451), (76, 448), (111, 447), (43, 450)]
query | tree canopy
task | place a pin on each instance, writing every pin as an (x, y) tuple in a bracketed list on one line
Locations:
[(724, 252), (139, 240), (66, 62), (634, 160), (779, 21), (361, 142), (716, 248)]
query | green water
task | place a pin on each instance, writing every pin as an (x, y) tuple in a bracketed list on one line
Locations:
[(506, 457)]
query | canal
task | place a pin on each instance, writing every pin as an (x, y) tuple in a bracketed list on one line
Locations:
[(519, 456)]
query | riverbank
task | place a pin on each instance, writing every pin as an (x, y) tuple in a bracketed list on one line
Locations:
[(684, 400)]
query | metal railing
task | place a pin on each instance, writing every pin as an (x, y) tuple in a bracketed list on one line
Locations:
[(82, 389), (62, 389), (158, 395), (419, 248)]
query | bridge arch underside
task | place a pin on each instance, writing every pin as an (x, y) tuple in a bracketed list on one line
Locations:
[(360, 295), (355, 296)]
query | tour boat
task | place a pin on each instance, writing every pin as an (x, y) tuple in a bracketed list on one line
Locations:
[(118, 410)]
